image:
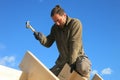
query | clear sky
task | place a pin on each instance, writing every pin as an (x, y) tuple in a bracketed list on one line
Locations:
[(101, 32)]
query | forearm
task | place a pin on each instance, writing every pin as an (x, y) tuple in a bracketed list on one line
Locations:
[(46, 41)]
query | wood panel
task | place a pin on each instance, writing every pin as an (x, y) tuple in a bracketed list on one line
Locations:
[(65, 74), (7, 73), (97, 77), (35, 69)]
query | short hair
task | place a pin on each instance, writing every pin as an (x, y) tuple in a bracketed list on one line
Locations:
[(57, 10)]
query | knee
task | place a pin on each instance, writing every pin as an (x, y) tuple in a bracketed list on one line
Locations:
[(83, 67)]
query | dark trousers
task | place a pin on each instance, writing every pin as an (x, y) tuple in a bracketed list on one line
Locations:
[(56, 69), (82, 66)]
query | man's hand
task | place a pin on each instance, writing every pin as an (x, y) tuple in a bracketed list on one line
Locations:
[(72, 67), (38, 35)]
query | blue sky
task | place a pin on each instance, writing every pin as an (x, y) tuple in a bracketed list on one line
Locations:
[(101, 30)]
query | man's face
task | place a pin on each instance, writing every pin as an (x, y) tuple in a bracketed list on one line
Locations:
[(59, 20)]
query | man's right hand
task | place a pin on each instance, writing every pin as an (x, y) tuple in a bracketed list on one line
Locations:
[(38, 35)]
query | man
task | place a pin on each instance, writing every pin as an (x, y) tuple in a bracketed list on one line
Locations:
[(67, 32)]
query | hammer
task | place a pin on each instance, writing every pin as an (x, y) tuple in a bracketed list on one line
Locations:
[(29, 26)]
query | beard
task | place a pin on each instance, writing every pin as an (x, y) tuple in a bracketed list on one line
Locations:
[(61, 25)]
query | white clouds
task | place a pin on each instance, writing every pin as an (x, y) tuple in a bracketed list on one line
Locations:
[(106, 71), (102, 73), (7, 60)]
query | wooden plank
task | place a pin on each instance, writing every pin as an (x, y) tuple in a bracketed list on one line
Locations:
[(65, 74), (7, 73), (35, 69), (97, 77)]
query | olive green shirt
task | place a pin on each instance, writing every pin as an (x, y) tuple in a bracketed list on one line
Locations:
[(68, 40)]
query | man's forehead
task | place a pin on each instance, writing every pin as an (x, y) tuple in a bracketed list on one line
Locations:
[(56, 17)]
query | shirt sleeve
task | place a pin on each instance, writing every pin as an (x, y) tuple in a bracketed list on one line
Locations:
[(47, 41), (75, 41)]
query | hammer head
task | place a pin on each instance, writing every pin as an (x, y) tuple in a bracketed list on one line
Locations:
[(28, 24)]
